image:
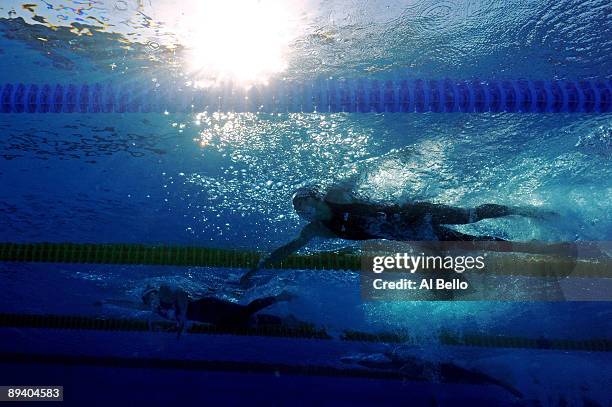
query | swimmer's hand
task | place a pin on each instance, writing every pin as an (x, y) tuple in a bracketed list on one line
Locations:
[(245, 280), (180, 327), (310, 231)]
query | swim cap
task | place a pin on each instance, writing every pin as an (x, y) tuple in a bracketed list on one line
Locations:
[(308, 191)]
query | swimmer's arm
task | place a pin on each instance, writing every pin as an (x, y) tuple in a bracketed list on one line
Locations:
[(182, 302), (309, 232)]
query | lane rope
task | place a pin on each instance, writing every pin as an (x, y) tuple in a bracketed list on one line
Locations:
[(137, 254), (306, 331), (329, 95)]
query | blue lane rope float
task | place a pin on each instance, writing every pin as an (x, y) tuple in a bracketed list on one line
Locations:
[(323, 96)]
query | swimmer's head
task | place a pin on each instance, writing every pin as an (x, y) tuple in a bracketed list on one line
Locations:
[(309, 203), (150, 295)]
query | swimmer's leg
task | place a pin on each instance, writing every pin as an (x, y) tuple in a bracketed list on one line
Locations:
[(488, 211), (267, 320), (261, 303), (449, 235), (442, 214), (451, 215), (497, 244)]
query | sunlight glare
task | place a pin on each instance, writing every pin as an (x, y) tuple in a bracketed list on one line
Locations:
[(242, 40)]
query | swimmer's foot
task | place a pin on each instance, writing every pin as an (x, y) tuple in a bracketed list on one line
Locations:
[(246, 281), (535, 213), (241, 281)]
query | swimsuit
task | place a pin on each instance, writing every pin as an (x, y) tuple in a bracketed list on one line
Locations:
[(357, 221)]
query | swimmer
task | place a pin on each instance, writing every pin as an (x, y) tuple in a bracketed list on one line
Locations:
[(338, 214), (175, 304), (416, 368)]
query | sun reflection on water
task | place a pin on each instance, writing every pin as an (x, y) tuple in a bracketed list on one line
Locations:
[(241, 40)]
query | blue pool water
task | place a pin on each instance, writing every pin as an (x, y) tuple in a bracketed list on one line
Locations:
[(226, 179)]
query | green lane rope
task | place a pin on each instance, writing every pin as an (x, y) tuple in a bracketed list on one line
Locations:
[(164, 255), (594, 345), (506, 264), (112, 324), (306, 331), (385, 337)]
